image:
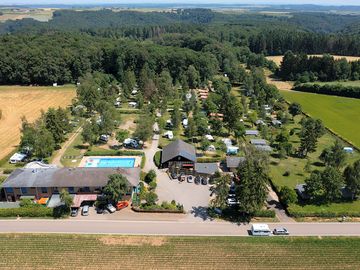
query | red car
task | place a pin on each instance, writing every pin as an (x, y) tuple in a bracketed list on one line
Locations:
[(121, 205)]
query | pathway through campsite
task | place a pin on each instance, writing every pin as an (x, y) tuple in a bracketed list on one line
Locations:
[(57, 158)]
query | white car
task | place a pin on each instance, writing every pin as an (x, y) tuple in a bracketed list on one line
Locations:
[(111, 208), (231, 201), (190, 179)]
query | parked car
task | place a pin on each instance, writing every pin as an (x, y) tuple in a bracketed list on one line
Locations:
[(280, 231), (111, 208), (74, 212), (182, 177), (121, 205), (204, 181), (85, 210), (231, 201), (197, 180), (190, 179), (174, 176), (99, 210)]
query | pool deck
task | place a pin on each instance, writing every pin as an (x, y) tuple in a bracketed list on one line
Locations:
[(84, 159)]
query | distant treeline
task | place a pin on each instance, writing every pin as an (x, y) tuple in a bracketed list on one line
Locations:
[(65, 57), (304, 69), (330, 89)]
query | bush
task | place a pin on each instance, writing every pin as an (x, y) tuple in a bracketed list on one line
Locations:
[(330, 89), (208, 160), (287, 196), (30, 211), (157, 158), (286, 173), (143, 161), (150, 176), (151, 198), (152, 185), (8, 171)]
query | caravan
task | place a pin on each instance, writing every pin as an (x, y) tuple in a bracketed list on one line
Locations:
[(259, 229)]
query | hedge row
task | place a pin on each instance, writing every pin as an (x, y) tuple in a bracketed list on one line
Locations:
[(330, 89), (157, 158), (114, 153), (27, 212), (265, 213), (157, 210), (294, 211)]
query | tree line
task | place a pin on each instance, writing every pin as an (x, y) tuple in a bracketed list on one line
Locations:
[(329, 89), (302, 68)]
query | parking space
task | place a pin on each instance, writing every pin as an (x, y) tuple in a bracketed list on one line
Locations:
[(192, 196)]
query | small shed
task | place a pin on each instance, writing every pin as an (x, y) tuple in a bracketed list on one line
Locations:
[(349, 150), (258, 142), (232, 163), (265, 148)]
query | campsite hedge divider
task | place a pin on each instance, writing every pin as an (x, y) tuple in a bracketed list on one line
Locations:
[(113, 153), (330, 89)]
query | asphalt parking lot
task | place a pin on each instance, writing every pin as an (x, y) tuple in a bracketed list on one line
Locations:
[(192, 196)]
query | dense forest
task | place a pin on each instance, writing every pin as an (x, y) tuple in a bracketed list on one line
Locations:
[(74, 43), (309, 69)]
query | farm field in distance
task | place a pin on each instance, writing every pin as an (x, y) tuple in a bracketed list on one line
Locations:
[(38, 14), (340, 114), (158, 252), (278, 58), (28, 101)]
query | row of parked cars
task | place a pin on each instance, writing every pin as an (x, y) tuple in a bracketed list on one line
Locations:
[(190, 178), (259, 229), (108, 208)]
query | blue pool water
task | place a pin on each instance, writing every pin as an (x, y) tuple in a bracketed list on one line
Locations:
[(110, 163)]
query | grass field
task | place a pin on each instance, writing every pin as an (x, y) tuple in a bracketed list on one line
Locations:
[(340, 114), (18, 101), (278, 58), (29, 251), (42, 15)]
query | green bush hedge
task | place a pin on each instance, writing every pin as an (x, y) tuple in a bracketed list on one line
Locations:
[(143, 161), (8, 171), (298, 212), (330, 89), (265, 213), (157, 158), (35, 211), (114, 153)]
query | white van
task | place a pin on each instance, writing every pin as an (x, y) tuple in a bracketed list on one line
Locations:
[(259, 229)]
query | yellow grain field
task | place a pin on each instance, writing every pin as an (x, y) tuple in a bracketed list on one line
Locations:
[(28, 101)]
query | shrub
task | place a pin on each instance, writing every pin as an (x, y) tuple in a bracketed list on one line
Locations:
[(286, 173), (143, 161), (157, 158), (287, 196), (151, 198), (152, 185), (8, 171), (297, 211), (150, 176)]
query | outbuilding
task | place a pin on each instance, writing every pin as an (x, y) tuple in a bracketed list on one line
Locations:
[(17, 157)]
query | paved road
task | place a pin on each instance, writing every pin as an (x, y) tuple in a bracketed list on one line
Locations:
[(189, 228)]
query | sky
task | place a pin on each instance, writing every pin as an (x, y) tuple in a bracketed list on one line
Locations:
[(319, 2)]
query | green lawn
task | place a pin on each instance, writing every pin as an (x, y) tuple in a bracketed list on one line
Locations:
[(339, 114), (30, 251), (73, 152)]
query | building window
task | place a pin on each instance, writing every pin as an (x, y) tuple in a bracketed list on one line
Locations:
[(9, 190), (43, 190), (23, 190), (71, 189), (86, 189)]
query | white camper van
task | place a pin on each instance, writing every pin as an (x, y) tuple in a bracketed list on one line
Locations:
[(258, 229)]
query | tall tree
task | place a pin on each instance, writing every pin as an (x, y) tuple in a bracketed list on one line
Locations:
[(251, 190), (311, 131), (116, 188), (65, 198), (352, 178), (334, 156), (221, 190)]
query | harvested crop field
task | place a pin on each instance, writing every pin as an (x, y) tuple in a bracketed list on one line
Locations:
[(29, 251), (28, 101), (278, 58)]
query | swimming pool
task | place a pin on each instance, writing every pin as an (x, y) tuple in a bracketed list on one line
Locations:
[(110, 163)]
